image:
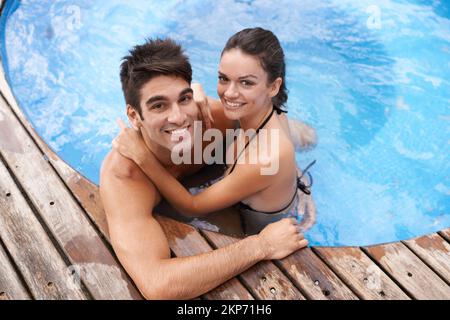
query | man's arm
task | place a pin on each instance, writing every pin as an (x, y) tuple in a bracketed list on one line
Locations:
[(142, 247)]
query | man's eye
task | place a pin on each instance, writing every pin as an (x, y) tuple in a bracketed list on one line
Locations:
[(157, 106), (186, 99)]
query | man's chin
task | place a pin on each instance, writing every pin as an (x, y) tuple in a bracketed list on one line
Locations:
[(181, 147)]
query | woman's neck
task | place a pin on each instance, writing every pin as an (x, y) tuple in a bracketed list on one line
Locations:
[(253, 120)]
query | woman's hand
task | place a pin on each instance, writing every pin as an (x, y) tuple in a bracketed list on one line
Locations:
[(130, 144), (201, 100)]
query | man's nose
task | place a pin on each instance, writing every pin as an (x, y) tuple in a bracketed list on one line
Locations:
[(176, 115), (231, 92)]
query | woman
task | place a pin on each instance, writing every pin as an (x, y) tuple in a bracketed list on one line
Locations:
[(252, 91)]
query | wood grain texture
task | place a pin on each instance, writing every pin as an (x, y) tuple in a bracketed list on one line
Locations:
[(409, 271), (43, 269), (314, 277), (11, 287), (445, 234), (360, 273), (265, 280), (434, 251)]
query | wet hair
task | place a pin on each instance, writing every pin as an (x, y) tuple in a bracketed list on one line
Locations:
[(153, 58), (264, 45)]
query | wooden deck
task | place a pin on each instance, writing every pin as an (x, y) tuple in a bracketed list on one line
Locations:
[(54, 242)]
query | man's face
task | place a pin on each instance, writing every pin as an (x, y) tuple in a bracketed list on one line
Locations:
[(169, 111)]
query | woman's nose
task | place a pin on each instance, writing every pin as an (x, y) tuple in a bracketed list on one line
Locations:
[(176, 115), (231, 92)]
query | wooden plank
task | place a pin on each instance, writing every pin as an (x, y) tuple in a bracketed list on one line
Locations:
[(91, 259), (264, 280), (37, 259), (434, 251), (409, 271), (11, 288), (445, 234), (360, 273), (314, 277), (184, 241)]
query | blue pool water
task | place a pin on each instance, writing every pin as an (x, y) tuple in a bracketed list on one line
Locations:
[(374, 80)]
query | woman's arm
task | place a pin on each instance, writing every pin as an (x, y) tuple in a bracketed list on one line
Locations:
[(242, 183), (245, 180)]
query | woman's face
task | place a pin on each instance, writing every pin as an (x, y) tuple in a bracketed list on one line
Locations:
[(243, 85)]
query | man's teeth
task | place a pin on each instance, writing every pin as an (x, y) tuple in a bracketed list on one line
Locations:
[(178, 131)]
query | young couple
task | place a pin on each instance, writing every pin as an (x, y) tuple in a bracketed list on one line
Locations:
[(156, 80)]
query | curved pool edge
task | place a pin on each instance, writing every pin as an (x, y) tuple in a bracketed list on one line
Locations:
[(384, 255)]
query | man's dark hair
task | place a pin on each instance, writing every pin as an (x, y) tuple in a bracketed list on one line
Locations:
[(153, 58)]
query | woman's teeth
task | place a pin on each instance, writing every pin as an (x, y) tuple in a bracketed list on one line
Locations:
[(234, 104)]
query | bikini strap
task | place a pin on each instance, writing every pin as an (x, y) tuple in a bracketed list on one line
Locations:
[(248, 142), (300, 184)]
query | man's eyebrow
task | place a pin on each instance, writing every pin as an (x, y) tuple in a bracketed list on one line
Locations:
[(156, 98), (164, 98), (187, 90)]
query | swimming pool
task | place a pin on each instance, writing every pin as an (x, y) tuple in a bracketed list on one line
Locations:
[(374, 80)]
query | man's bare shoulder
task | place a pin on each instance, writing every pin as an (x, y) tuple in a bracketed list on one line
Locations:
[(122, 180), (116, 165)]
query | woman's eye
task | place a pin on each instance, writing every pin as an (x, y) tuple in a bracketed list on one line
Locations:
[(222, 79), (246, 83)]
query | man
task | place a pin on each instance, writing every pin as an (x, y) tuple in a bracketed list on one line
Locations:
[(156, 79)]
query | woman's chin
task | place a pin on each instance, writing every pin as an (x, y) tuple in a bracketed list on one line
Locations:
[(234, 114)]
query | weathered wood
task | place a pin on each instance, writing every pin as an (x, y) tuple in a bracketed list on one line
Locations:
[(360, 273), (409, 271), (264, 279), (435, 251), (184, 241), (445, 234), (314, 277), (11, 288), (90, 257), (42, 267)]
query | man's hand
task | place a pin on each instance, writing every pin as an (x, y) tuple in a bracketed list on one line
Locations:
[(281, 238), (130, 144), (202, 102)]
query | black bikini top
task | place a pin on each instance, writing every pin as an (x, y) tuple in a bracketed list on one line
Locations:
[(275, 108), (300, 185)]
